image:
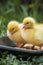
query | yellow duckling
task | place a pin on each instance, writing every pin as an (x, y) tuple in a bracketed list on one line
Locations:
[(32, 32), (13, 32)]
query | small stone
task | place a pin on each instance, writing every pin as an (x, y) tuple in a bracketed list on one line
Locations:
[(28, 46), (36, 48), (42, 48)]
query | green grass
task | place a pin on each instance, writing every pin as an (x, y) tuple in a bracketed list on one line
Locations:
[(13, 10), (10, 59)]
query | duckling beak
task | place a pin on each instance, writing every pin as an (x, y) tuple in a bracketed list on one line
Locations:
[(8, 33), (26, 27), (11, 32), (23, 26)]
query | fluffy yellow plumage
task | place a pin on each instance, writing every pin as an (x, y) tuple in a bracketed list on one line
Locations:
[(13, 32), (32, 32)]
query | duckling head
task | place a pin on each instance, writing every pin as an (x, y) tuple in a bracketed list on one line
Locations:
[(13, 27), (28, 23)]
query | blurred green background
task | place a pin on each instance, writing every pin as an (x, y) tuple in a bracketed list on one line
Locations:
[(17, 10)]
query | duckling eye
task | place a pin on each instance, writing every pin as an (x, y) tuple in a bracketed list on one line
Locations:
[(12, 28), (27, 23)]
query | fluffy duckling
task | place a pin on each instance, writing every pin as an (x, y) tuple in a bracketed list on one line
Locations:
[(32, 32), (13, 32)]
